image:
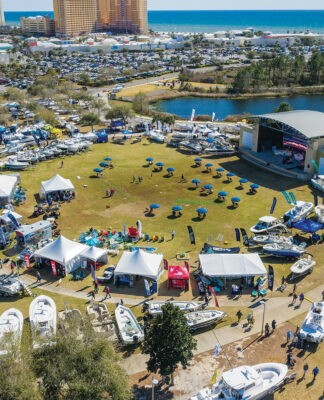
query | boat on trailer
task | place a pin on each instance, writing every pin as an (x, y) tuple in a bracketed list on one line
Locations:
[(301, 210), (203, 318), (155, 307), (302, 267), (271, 238), (312, 329), (268, 224), (285, 250), (318, 182), (129, 328), (319, 212)]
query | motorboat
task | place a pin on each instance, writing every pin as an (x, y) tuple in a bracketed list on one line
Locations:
[(301, 210), (193, 147), (10, 286), (14, 164), (42, 317), (155, 307), (71, 320), (286, 250), (203, 318), (318, 182), (271, 238), (246, 383), (11, 327), (157, 136), (319, 212), (101, 320), (312, 329), (302, 267), (129, 328), (268, 224)]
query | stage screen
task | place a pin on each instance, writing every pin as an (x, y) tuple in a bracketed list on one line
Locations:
[(247, 140)]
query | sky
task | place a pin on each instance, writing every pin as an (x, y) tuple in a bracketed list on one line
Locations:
[(46, 5)]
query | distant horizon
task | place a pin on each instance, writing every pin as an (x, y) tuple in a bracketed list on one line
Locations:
[(207, 9)]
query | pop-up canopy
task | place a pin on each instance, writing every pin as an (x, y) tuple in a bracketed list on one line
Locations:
[(178, 277), (95, 254), (7, 188), (56, 184)]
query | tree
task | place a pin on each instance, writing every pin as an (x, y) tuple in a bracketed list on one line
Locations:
[(121, 112), (140, 103), (90, 119), (283, 107), (176, 346)]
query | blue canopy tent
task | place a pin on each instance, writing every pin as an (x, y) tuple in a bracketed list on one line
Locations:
[(219, 171), (201, 211), (170, 170), (242, 181), (221, 195), (235, 201), (175, 210), (308, 226), (196, 182), (108, 159), (103, 164), (154, 207), (98, 170), (208, 187), (150, 160)]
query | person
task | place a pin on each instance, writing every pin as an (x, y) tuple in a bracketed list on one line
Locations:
[(93, 295), (121, 302), (240, 290), (258, 290), (134, 179), (206, 299), (288, 335), (294, 288), (108, 293), (305, 369), (151, 174), (249, 317), (38, 277), (294, 298), (315, 373), (172, 234), (323, 295), (267, 329), (239, 315), (107, 192), (95, 286), (294, 340), (283, 280), (112, 191), (290, 360), (273, 324), (0, 263), (62, 164), (301, 298)]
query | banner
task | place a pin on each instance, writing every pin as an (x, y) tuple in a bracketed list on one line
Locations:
[(274, 203), (193, 114), (124, 228), (187, 266), (166, 265), (286, 197), (3, 238), (147, 287), (147, 129), (291, 194), (238, 235), (191, 235), (214, 377), (27, 261), (93, 272), (213, 117), (217, 350), (270, 278), (53, 265), (214, 294), (13, 220), (245, 237), (315, 200)]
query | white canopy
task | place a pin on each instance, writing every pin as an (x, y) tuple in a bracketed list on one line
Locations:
[(7, 185), (95, 254), (55, 184), (232, 265), (63, 251), (140, 263)]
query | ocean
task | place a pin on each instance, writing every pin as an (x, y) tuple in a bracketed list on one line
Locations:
[(211, 21)]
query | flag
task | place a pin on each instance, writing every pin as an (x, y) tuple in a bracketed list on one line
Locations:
[(315, 200), (124, 228), (166, 265), (217, 350), (147, 287), (187, 266), (270, 278), (27, 261), (214, 377), (93, 273), (245, 237), (322, 199), (238, 235), (13, 220), (3, 238), (53, 265), (214, 294), (274, 202), (213, 117), (191, 235), (193, 114)]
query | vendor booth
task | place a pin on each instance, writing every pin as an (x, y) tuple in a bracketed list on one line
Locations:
[(178, 277), (93, 255), (232, 266), (56, 186), (8, 185), (138, 263), (65, 252), (34, 233)]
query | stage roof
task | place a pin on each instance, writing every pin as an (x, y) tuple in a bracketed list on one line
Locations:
[(309, 123)]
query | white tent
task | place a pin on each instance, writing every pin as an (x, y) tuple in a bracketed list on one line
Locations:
[(95, 254), (63, 251), (55, 184), (140, 263), (7, 188), (232, 265)]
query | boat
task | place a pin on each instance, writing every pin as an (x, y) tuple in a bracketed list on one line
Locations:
[(193, 147), (10, 286), (271, 238), (101, 320), (312, 329), (42, 317), (155, 307), (71, 320), (319, 212), (267, 224), (302, 267), (157, 136), (318, 182), (301, 210), (201, 319), (246, 383), (210, 249), (14, 164), (11, 327), (286, 250), (129, 328)]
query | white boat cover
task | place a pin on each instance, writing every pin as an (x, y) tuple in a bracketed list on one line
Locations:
[(95, 254), (55, 184), (7, 185), (140, 263), (63, 251), (232, 265)]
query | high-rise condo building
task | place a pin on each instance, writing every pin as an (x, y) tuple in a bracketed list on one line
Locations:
[(40, 25), (74, 17), (2, 18)]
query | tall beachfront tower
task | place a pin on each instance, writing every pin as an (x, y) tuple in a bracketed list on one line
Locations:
[(2, 18), (75, 17)]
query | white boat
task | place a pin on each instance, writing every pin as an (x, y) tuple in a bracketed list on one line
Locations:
[(42, 317), (318, 182), (201, 319), (157, 136), (267, 224), (11, 327), (15, 165), (155, 307), (302, 267), (319, 212), (301, 210), (9, 286), (129, 328), (246, 383), (271, 238), (312, 329), (286, 250), (101, 320)]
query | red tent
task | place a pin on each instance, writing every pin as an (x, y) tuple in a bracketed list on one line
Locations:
[(178, 277), (133, 233)]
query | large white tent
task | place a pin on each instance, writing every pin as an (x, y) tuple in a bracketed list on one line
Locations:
[(232, 265), (55, 184), (140, 263), (63, 251), (95, 254), (7, 188)]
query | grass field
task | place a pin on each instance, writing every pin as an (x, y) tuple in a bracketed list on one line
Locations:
[(145, 88)]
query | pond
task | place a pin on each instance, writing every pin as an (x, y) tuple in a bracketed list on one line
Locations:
[(182, 107)]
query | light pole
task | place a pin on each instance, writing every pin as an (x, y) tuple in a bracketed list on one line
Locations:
[(154, 383), (263, 302)]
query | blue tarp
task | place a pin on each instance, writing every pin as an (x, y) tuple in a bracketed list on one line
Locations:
[(308, 226)]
